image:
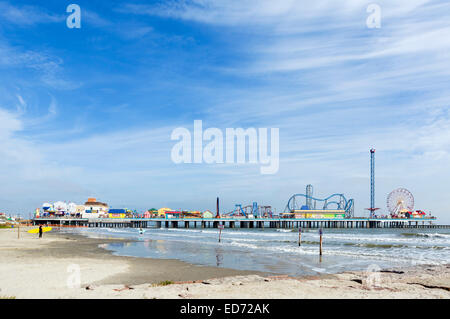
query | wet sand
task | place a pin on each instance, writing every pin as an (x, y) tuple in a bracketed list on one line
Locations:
[(45, 268)]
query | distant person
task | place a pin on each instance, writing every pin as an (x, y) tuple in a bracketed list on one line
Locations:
[(40, 231)]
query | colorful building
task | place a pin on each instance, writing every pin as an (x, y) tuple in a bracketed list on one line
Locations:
[(207, 214), (147, 214), (95, 209), (117, 213), (192, 214), (316, 213), (162, 212), (173, 214)]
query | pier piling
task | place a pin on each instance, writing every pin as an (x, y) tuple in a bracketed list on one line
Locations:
[(320, 243), (299, 237)]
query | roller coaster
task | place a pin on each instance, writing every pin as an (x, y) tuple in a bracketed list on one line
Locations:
[(250, 211), (306, 203)]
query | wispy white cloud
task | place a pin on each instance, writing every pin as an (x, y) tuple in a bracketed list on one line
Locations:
[(10, 124), (48, 67), (124, 29), (21, 107), (27, 15), (266, 12)]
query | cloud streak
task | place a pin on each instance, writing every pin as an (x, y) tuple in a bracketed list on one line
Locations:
[(26, 15)]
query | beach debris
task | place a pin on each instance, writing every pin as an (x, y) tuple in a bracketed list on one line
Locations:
[(125, 287), (165, 283), (89, 287), (392, 271), (278, 277), (359, 281), (429, 286)]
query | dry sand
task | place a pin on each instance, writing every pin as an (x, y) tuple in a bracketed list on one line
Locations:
[(44, 268)]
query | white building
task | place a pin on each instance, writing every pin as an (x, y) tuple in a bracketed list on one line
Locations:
[(95, 209)]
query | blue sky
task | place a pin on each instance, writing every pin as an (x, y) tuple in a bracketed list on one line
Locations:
[(89, 112)]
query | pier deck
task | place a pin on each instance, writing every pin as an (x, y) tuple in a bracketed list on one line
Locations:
[(241, 222)]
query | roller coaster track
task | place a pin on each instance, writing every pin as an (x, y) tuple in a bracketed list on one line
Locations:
[(336, 199), (240, 210)]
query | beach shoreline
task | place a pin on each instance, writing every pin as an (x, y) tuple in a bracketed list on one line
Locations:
[(46, 268)]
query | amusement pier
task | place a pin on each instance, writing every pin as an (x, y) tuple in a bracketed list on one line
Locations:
[(303, 210)]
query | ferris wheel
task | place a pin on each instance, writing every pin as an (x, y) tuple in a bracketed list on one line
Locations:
[(400, 200)]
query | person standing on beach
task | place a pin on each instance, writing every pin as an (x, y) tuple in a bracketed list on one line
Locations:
[(40, 231)]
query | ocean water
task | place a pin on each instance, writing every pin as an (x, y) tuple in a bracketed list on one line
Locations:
[(276, 250)]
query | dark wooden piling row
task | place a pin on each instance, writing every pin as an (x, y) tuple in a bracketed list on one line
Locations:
[(239, 223)]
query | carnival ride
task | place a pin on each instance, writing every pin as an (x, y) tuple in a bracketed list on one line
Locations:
[(306, 204), (372, 209), (400, 202), (250, 211)]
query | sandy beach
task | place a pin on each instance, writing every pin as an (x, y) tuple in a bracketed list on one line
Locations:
[(47, 268)]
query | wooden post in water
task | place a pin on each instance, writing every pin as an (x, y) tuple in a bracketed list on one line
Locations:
[(299, 236), (320, 234), (220, 231)]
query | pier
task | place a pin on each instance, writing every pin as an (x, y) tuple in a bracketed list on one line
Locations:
[(283, 223)]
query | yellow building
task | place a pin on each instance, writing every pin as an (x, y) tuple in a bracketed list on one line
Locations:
[(317, 213), (162, 212)]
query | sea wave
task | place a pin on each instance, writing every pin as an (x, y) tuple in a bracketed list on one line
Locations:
[(426, 235)]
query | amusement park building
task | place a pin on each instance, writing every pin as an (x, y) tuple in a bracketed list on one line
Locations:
[(207, 214), (95, 209), (310, 213)]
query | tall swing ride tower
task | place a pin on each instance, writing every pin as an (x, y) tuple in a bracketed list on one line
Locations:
[(372, 208)]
